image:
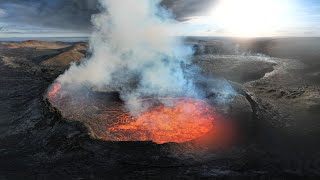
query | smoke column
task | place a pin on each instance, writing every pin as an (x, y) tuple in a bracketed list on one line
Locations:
[(134, 40), (136, 51)]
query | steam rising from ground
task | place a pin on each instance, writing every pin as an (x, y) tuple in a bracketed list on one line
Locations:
[(135, 51)]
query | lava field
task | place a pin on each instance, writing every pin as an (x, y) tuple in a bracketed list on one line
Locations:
[(43, 136)]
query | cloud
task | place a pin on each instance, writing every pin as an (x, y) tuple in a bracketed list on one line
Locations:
[(76, 14), (2, 13), (185, 8), (69, 15)]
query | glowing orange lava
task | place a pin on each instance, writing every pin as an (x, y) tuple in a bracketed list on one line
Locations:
[(163, 120), (183, 120), (56, 88)]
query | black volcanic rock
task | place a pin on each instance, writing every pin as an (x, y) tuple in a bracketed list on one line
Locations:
[(276, 109)]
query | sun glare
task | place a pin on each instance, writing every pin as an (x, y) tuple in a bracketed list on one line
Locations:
[(251, 17)]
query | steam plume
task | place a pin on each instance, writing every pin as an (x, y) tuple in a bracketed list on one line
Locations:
[(135, 41), (135, 51)]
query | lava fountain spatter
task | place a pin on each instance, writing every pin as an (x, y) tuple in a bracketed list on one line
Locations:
[(165, 119)]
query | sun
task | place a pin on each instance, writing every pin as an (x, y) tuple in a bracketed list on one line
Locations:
[(251, 17)]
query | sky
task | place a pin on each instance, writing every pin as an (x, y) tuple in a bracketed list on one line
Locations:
[(70, 18)]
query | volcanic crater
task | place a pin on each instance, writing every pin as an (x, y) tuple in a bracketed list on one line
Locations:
[(158, 119), (38, 140)]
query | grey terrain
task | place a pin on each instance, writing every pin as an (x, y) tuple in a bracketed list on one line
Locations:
[(277, 109)]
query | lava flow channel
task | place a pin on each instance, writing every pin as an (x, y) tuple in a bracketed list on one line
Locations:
[(183, 120)]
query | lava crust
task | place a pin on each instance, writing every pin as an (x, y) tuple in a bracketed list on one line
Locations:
[(161, 120)]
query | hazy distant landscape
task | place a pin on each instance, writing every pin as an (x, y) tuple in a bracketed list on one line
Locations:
[(51, 39)]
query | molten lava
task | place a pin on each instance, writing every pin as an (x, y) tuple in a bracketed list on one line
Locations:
[(164, 120), (56, 88), (183, 120)]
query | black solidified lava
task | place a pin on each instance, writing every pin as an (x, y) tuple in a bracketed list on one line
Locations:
[(36, 141)]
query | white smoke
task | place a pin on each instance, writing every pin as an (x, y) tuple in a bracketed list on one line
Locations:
[(133, 41)]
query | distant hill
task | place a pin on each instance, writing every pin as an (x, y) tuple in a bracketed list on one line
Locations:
[(66, 55), (34, 44)]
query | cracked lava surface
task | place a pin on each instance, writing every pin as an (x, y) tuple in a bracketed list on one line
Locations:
[(165, 119)]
